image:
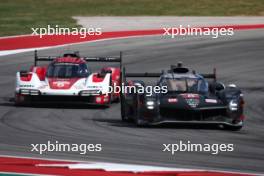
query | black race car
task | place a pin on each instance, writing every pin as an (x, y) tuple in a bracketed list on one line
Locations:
[(190, 98)]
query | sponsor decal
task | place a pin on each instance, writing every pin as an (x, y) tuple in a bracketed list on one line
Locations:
[(94, 87), (26, 85), (210, 100), (43, 86), (172, 100), (192, 99), (61, 83), (190, 95), (79, 86), (193, 102)]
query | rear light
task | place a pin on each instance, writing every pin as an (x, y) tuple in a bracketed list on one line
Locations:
[(25, 76)]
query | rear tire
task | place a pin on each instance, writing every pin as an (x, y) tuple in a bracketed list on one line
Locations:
[(123, 109)]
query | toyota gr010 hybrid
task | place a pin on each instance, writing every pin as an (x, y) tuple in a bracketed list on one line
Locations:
[(67, 79), (189, 99)]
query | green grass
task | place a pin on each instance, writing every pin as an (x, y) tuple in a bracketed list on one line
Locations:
[(18, 16)]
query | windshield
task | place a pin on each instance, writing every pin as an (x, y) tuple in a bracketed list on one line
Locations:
[(193, 85), (67, 70)]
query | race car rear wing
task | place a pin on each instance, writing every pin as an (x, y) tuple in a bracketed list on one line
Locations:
[(210, 75), (124, 75), (76, 54), (146, 74), (42, 58), (157, 75), (104, 59)]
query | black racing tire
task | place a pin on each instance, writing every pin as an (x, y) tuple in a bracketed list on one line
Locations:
[(124, 117), (107, 105), (18, 102), (233, 127), (138, 121), (110, 101), (117, 100)]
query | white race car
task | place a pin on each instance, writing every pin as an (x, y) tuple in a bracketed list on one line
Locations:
[(68, 79)]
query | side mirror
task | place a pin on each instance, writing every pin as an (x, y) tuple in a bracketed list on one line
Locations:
[(100, 75), (219, 87), (108, 71), (103, 73), (23, 73), (232, 86)]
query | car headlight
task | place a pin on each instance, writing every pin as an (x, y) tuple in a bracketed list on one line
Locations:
[(233, 105), (90, 92), (34, 92), (24, 91), (150, 103), (29, 92), (150, 107)]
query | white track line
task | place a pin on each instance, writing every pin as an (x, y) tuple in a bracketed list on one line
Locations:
[(10, 52), (120, 167)]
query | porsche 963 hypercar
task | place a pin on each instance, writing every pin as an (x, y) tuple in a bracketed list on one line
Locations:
[(67, 79)]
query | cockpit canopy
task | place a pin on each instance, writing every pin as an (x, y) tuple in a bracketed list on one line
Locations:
[(67, 70), (185, 84)]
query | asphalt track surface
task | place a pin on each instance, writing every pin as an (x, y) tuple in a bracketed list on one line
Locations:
[(238, 59)]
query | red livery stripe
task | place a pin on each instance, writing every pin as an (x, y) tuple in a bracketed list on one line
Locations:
[(29, 41), (33, 166)]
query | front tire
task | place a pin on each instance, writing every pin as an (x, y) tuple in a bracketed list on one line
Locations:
[(21, 100), (234, 127), (138, 121)]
